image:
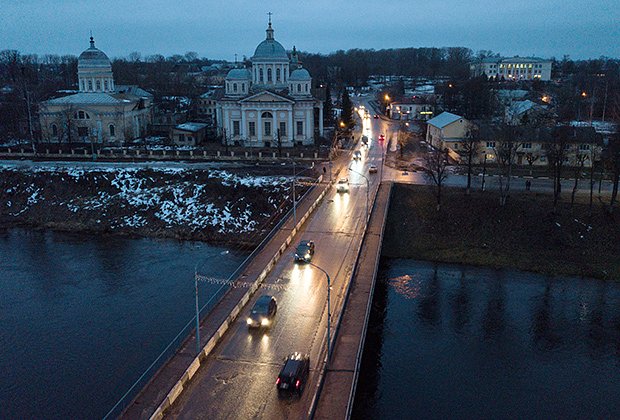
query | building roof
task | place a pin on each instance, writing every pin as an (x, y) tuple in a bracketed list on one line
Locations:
[(239, 74), (270, 49), (443, 119), (519, 107), (191, 126), (300, 75), (93, 57), (132, 90), (86, 98)]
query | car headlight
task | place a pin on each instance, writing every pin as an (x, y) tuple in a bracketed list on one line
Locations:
[(307, 256), (264, 322), (249, 321)]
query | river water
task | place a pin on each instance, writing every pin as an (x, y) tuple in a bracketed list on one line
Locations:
[(82, 317), (449, 341)]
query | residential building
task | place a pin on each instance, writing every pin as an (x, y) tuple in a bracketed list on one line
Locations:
[(205, 107), (415, 109), (270, 103), (447, 130), (520, 111), (101, 112), (515, 68)]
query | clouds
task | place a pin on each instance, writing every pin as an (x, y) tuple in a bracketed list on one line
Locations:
[(219, 30)]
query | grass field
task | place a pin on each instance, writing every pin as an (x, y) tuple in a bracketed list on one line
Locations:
[(525, 234)]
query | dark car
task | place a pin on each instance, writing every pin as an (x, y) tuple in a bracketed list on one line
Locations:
[(376, 117), (294, 374), (304, 251), (263, 312)]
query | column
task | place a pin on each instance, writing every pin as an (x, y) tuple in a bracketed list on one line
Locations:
[(276, 125), (291, 129), (320, 118), (243, 128), (259, 126), (309, 122)]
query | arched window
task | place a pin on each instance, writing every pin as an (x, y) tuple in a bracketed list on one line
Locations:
[(306, 87), (81, 115), (112, 130), (54, 130), (243, 87), (82, 85), (269, 74), (266, 114), (277, 75), (298, 87), (234, 87), (260, 75), (98, 84), (105, 85), (90, 85)]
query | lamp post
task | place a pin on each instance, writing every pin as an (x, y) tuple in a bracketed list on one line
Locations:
[(329, 308), (367, 188), (197, 309)]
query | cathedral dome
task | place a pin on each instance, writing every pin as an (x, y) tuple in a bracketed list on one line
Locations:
[(93, 57), (270, 49), (299, 75), (239, 74)]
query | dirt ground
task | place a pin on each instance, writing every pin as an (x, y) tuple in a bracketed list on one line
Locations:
[(525, 234)]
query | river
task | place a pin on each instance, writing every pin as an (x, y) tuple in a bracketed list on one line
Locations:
[(82, 317), (449, 341)]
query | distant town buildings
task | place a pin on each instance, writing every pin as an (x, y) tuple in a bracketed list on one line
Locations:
[(515, 68), (419, 109), (101, 112), (270, 104)]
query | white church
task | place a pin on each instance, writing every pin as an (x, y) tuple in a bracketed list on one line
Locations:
[(270, 104)]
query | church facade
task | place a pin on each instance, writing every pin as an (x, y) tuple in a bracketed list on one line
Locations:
[(101, 112), (271, 103)]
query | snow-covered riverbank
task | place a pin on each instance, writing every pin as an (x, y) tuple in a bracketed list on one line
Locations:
[(216, 205)]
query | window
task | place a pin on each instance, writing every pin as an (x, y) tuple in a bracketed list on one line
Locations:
[(266, 114), (306, 87), (269, 74), (234, 87), (252, 128), (282, 128), (90, 85), (298, 87), (277, 75), (526, 145), (81, 115), (260, 75), (584, 147), (82, 85), (98, 84), (105, 85), (181, 138), (83, 131), (567, 146), (112, 130), (54, 130), (236, 130), (300, 128), (242, 87), (267, 128), (490, 144)]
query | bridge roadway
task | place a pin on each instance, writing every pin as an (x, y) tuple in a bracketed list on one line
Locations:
[(237, 380)]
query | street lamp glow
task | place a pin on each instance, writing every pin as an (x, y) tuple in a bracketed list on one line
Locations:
[(584, 94), (387, 97), (342, 124)]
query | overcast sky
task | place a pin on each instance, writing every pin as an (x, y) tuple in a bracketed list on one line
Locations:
[(546, 28)]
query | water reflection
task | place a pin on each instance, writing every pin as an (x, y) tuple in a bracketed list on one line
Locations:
[(493, 344)]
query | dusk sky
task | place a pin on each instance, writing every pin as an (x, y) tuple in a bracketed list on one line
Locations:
[(545, 28)]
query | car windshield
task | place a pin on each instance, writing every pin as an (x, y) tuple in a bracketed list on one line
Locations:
[(290, 368), (261, 306), (302, 249)]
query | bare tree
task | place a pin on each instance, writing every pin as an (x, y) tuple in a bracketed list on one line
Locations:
[(556, 153), (403, 136), (436, 170), (613, 160), (578, 163), (469, 150), (508, 141), (531, 158)]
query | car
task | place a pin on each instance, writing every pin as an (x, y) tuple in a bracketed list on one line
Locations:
[(343, 185), (304, 251), (376, 117), (357, 155), (381, 137), (294, 374), (263, 312), (372, 169)]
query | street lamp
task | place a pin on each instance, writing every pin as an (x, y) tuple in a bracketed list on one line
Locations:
[(329, 307), (197, 309), (367, 188)]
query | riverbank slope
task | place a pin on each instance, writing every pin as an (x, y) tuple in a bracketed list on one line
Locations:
[(525, 234)]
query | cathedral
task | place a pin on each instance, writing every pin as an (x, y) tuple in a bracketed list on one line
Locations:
[(271, 104), (101, 112)]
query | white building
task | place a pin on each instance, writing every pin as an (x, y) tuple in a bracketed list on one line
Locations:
[(271, 102), (412, 110), (101, 112), (515, 68)]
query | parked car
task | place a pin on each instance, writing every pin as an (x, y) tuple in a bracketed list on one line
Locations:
[(372, 169), (263, 312), (304, 251), (343, 185), (357, 155), (294, 374)]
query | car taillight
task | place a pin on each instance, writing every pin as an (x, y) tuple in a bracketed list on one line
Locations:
[(278, 381), (297, 383)]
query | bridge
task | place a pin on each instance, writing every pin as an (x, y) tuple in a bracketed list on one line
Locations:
[(234, 374)]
